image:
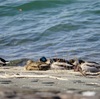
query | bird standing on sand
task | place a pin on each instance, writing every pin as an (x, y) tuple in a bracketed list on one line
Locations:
[(3, 62), (85, 66), (57, 63)]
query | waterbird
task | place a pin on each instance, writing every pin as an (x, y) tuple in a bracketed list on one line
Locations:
[(3, 62), (57, 63), (36, 65), (85, 66)]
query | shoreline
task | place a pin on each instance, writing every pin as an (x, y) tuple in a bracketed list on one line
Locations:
[(50, 81)]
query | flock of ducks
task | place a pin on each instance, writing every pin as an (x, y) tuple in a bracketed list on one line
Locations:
[(43, 63), (77, 65)]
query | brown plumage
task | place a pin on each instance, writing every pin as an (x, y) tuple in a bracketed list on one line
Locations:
[(36, 65)]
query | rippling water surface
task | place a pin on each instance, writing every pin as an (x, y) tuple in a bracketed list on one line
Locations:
[(51, 28)]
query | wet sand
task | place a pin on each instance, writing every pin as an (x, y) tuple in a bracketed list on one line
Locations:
[(63, 82)]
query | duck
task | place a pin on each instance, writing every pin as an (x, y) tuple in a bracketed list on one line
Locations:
[(85, 66), (3, 62), (36, 65), (57, 63)]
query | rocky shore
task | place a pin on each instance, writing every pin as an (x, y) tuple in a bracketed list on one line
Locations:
[(17, 83)]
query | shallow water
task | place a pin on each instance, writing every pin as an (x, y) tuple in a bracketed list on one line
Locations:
[(51, 28)]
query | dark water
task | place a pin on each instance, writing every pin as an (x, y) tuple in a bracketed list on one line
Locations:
[(51, 28)]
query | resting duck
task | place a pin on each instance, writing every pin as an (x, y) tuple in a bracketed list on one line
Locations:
[(85, 66), (57, 63), (35, 65), (3, 62)]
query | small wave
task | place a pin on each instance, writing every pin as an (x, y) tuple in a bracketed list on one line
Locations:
[(18, 62), (43, 4)]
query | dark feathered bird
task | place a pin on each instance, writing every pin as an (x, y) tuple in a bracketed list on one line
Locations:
[(3, 62), (57, 63)]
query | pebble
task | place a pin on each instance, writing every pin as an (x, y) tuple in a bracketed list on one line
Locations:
[(7, 93)]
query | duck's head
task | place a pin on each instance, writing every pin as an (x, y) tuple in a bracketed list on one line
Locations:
[(74, 62), (71, 61), (43, 59)]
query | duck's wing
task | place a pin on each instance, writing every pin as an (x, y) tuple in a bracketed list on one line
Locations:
[(3, 60), (58, 65), (62, 64), (7, 62), (93, 64), (90, 67), (58, 60)]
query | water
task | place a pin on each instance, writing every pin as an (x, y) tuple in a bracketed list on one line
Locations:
[(51, 28)]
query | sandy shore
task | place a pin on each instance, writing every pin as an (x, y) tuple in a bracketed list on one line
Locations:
[(59, 81)]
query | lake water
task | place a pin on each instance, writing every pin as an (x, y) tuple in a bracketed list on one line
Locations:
[(52, 28)]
